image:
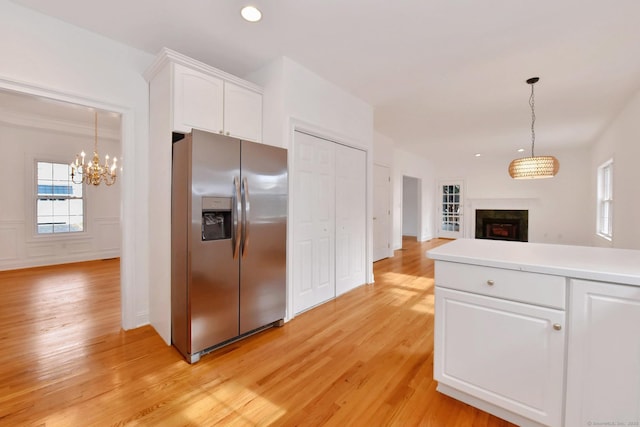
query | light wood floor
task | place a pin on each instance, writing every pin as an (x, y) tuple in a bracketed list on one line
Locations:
[(364, 359)]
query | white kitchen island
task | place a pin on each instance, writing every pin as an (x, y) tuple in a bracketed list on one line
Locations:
[(539, 334)]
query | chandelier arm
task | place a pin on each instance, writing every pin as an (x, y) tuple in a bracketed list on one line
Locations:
[(93, 172)]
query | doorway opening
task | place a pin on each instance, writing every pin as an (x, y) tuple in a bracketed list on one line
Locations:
[(411, 207), (41, 130)]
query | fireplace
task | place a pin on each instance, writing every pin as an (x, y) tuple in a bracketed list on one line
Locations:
[(501, 224)]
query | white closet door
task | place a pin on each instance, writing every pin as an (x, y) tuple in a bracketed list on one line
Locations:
[(313, 221), (351, 188)]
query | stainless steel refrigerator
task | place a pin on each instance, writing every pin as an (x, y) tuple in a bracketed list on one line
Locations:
[(228, 238)]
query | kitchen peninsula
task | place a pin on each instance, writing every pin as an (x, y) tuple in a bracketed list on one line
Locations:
[(539, 334)]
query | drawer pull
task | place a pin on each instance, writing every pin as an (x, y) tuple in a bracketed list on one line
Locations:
[(557, 326), (490, 282)]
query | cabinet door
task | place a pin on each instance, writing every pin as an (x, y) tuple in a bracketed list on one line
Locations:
[(242, 113), (503, 352), (197, 101), (603, 372)]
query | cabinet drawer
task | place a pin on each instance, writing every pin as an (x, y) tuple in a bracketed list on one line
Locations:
[(531, 288)]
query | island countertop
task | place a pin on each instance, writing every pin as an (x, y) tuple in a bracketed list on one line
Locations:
[(580, 262)]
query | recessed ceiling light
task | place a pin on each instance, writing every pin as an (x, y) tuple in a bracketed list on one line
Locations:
[(478, 154), (520, 150), (251, 14)]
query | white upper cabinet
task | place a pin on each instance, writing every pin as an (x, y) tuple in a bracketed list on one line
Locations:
[(242, 112), (197, 101), (197, 96)]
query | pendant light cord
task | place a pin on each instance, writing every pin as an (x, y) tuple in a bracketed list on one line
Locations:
[(533, 119)]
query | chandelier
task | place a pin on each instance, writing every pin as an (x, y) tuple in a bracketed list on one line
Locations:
[(93, 172), (533, 167)]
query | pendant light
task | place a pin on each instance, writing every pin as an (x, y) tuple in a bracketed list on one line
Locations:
[(533, 167)]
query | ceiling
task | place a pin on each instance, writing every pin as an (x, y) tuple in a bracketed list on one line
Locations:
[(39, 112), (440, 74)]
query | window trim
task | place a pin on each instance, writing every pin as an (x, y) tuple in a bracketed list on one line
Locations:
[(604, 196), (67, 235)]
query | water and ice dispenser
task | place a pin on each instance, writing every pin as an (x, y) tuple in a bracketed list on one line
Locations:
[(216, 218)]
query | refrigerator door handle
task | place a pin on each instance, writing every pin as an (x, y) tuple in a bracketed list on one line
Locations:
[(245, 216), (237, 221)]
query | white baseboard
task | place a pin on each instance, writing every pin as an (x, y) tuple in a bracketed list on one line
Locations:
[(15, 264)]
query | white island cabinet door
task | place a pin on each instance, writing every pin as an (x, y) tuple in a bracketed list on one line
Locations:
[(506, 353), (603, 369), (197, 101)]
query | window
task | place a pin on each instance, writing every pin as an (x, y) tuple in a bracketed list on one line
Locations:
[(605, 200), (59, 202)]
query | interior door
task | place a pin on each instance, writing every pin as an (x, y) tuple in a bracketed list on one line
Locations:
[(381, 212), (313, 221), (450, 209), (351, 217)]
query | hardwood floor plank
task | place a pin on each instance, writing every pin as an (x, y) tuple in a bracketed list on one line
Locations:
[(365, 358)]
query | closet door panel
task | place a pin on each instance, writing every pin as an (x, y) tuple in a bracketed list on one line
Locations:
[(329, 220), (313, 222), (351, 205)]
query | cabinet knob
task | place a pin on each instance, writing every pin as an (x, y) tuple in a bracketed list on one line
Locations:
[(490, 282), (228, 133), (557, 326), (221, 132)]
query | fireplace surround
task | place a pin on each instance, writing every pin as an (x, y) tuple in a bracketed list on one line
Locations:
[(502, 224)]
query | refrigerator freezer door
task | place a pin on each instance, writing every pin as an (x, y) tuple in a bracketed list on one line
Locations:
[(263, 263), (214, 292)]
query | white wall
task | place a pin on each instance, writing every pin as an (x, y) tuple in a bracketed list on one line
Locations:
[(275, 122), (20, 246), (403, 163), (383, 150), (45, 56), (318, 103), (409, 164), (296, 98), (558, 207), (410, 206), (620, 141), (383, 154), (294, 93)]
